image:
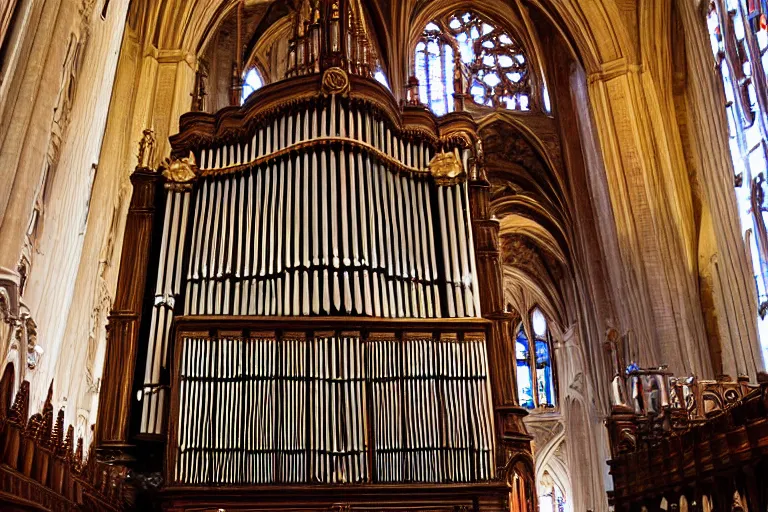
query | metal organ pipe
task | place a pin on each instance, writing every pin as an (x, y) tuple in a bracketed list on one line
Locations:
[(322, 210)]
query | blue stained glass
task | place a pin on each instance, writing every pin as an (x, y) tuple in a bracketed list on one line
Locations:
[(493, 64), (524, 387), (421, 73), (449, 76), (251, 83), (542, 354), (524, 381)]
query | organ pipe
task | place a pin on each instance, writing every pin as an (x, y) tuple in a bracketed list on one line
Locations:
[(323, 206)]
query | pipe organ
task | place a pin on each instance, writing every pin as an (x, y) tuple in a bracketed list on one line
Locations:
[(332, 406), (310, 295), (327, 207)]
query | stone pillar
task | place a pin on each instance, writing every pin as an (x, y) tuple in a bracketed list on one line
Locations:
[(658, 296)]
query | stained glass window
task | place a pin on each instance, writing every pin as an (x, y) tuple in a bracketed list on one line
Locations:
[(465, 52), (524, 382), (739, 42), (535, 375), (251, 83)]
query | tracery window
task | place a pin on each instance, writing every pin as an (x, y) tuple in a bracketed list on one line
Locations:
[(464, 52), (251, 83), (739, 42), (535, 375)]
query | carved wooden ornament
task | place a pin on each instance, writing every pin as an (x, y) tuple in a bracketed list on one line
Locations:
[(335, 81), (179, 173), (446, 169)]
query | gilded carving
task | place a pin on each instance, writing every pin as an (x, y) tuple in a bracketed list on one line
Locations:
[(179, 173), (335, 81), (446, 169)]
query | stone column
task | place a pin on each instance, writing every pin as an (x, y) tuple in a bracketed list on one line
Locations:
[(657, 297), (734, 289)]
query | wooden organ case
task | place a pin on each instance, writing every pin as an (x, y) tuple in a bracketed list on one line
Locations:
[(323, 309)]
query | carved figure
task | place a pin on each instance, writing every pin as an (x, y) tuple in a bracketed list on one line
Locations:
[(147, 149)]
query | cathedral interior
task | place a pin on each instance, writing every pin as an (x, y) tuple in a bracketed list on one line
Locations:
[(384, 255)]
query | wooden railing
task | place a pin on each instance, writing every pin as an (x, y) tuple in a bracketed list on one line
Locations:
[(702, 443), (42, 467), (329, 400)]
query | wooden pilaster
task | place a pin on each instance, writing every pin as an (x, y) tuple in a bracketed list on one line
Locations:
[(513, 441), (112, 426)]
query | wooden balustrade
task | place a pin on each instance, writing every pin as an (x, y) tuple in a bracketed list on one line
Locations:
[(686, 442), (42, 466)]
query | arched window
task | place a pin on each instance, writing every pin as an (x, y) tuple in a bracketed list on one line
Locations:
[(739, 42), (463, 51), (524, 381), (551, 495), (535, 374), (251, 83)]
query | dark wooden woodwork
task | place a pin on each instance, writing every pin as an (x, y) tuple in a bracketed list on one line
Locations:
[(368, 498), (513, 440), (112, 426), (201, 129), (46, 472), (713, 453)]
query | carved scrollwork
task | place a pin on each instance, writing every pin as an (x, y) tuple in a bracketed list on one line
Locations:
[(335, 81)]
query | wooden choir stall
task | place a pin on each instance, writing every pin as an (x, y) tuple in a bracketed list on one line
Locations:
[(685, 444)]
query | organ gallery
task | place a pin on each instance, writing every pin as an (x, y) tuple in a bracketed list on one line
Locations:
[(340, 255)]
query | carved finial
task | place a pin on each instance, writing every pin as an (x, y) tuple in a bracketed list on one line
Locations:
[(65, 448), (146, 154), (19, 410), (33, 425), (58, 431), (78, 456), (48, 405), (44, 432)]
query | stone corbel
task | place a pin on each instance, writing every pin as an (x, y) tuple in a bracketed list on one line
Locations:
[(9, 296)]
